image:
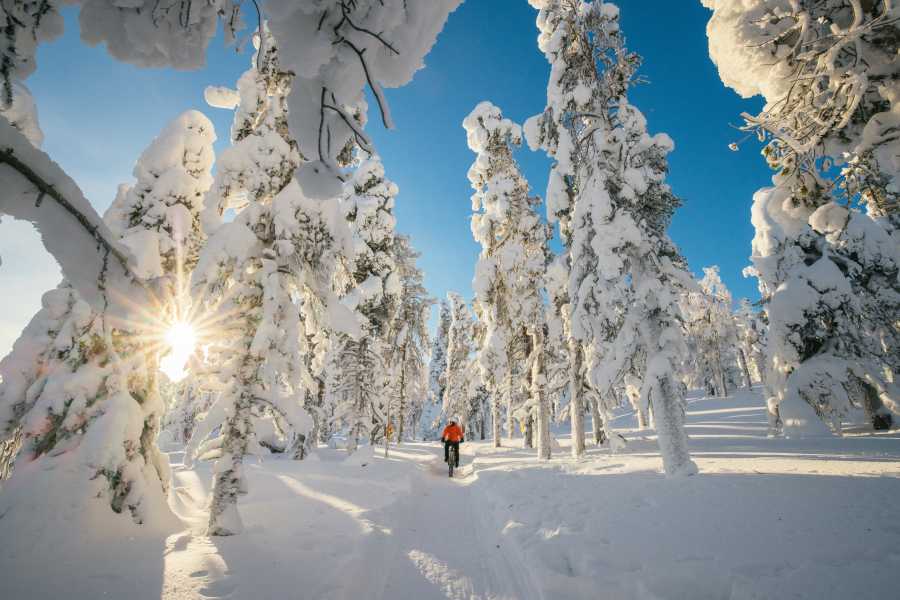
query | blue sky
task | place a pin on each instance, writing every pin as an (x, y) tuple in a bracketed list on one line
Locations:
[(98, 115)]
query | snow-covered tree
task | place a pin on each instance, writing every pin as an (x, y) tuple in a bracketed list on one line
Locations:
[(751, 332), (373, 287), (460, 346), (408, 340), (78, 382), (510, 270), (608, 193), (67, 402), (437, 366), (711, 332), (828, 70), (265, 281)]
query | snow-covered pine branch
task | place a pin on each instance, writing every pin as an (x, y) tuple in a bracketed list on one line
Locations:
[(93, 261)]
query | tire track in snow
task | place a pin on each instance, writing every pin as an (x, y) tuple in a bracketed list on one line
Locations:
[(437, 548)]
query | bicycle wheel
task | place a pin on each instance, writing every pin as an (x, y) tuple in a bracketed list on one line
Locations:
[(452, 461)]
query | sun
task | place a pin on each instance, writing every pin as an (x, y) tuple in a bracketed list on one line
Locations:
[(182, 341)]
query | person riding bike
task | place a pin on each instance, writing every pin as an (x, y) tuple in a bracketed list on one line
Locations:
[(452, 436)]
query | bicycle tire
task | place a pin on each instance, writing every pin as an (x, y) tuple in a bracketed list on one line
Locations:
[(452, 461)]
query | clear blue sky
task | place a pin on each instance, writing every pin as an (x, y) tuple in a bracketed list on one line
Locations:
[(98, 115)]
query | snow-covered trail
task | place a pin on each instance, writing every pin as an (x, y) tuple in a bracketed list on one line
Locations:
[(764, 519), (439, 545), (362, 527)]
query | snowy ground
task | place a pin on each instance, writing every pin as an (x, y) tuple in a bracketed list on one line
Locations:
[(766, 518)]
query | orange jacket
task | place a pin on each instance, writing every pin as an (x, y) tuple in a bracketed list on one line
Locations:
[(452, 433)]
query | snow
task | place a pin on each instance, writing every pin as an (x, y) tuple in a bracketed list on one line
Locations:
[(335, 60), (219, 96), (75, 249), (757, 523)]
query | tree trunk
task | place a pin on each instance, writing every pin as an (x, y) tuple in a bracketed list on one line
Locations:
[(880, 416), (597, 422), (643, 417), (510, 432), (668, 413), (9, 450), (224, 518), (495, 419), (576, 401), (402, 417), (483, 410), (528, 429), (539, 393), (742, 358), (670, 428)]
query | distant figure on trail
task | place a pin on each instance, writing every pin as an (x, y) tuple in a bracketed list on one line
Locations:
[(452, 436)]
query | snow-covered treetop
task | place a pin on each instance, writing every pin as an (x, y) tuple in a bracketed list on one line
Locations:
[(583, 44), (263, 155), (485, 126), (508, 228), (368, 207), (713, 286), (159, 214)]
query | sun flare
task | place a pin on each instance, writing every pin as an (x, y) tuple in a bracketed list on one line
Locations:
[(182, 341)]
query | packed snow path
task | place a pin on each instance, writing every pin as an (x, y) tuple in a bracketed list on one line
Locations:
[(766, 518), (424, 535), (439, 544)]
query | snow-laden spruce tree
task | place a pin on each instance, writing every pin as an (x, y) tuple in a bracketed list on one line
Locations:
[(460, 345), (254, 269), (77, 384), (751, 332), (372, 289), (408, 342), (566, 43), (829, 72), (607, 189), (711, 332), (510, 270), (437, 366), (265, 280), (159, 215)]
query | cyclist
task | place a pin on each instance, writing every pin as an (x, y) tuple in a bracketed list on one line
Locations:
[(452, 436)]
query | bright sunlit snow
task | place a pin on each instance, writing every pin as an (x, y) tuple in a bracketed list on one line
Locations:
[(484, 338)]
